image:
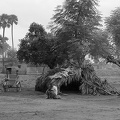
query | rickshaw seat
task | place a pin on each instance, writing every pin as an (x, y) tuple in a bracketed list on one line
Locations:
[(12, 77)]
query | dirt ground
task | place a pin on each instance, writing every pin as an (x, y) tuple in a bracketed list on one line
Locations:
[(31, 105)]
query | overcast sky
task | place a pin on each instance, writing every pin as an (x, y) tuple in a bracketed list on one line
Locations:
[(39, 11)]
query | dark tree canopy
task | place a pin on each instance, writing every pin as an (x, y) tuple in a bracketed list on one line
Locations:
[(33, 47), (12, 56), (74, 34), (113, 25), (100, 46), (38, 48), (74, 24)]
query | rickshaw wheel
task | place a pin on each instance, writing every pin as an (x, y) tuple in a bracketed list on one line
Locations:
[(5, 88)]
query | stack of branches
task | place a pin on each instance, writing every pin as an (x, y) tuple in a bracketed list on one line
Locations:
[(92, 84), (58, 76), (113, 60)]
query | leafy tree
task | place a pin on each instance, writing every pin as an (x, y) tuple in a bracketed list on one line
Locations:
[(4, 22), (36, 48), (113, 26), (4, 18), (76, 20), (12, 20), (3, 44), (101, 46), (74, 35), (12, 56)]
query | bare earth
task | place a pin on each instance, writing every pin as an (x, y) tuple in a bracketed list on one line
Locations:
[(31, 105)]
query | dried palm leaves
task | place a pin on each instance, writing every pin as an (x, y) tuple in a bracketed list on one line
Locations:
[(91, 84)]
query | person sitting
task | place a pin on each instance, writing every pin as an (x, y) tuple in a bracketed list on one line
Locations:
[(49, 92), (52, 92)]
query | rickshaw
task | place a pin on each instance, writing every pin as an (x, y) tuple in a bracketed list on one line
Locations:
[(11, 79)]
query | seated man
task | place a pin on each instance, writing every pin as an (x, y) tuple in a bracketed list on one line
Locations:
[(52, 92)]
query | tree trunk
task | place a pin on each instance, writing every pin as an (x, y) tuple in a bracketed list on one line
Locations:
[(3, 69), (43, 71), (12, 37)]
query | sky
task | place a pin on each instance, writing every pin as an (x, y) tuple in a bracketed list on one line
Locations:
[(39, 11)]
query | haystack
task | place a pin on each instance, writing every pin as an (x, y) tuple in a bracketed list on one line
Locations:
[(87, 80)]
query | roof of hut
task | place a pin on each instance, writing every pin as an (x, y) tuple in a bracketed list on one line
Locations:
[(91, 83)]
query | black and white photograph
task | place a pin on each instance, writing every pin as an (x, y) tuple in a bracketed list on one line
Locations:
[(60, 60)]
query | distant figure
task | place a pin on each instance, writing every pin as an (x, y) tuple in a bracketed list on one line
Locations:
[(52, 92), (49, 92)]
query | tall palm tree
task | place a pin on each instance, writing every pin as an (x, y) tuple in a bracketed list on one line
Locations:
[(12, 20), (4, 23)]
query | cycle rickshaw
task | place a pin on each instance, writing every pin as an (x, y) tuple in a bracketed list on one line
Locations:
[(11, 79)]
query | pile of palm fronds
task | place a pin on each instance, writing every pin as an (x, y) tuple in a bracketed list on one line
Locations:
[(92, 84), (89, 83), (57, 76)]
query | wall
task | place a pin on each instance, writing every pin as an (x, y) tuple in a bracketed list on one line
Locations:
[(37, 70)]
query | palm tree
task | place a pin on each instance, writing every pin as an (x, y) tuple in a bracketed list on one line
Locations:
[(4, 18), (12, 20), (4, 22)]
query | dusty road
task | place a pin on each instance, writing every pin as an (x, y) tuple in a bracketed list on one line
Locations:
[(31, 105)]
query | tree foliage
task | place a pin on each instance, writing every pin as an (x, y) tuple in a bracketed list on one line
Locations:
[(29, 46), (74, 34), (113, 26), (101, 46), (2, 41), (12, 56), (4, 23), (74, 24), (38, 47)]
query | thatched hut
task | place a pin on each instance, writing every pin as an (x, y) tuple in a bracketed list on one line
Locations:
[(83, 80), (59, 76)]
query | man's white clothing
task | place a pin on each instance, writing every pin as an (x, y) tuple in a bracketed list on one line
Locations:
[(55, 90)]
